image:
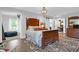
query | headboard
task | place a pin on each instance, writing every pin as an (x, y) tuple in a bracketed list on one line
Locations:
[(32, 22)]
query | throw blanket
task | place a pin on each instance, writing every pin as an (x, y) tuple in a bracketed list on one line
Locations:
[(35, 37)]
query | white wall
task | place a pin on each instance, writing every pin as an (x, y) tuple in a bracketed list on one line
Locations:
[(5, 21), (0, 29), (64, 25), (25, 14), (23, 26)]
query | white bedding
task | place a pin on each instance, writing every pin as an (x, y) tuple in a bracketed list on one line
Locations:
[(35, 37)]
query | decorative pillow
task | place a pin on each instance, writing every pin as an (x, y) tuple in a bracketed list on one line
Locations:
[(32, 27), (40, 28)]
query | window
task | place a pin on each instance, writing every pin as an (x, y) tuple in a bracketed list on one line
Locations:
[(13, 24)]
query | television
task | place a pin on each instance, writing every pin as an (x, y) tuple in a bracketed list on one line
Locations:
[(76, 26)]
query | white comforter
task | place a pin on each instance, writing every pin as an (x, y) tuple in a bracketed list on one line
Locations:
[(35, 37)]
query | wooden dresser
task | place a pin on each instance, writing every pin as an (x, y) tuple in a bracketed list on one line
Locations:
[(71, 30), (74, 33)]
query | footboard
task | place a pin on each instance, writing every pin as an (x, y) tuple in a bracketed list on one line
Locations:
[(49, 36)]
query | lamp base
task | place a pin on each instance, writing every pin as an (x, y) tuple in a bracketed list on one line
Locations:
[(50, 28)]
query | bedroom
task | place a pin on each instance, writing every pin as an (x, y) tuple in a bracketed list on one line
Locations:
[(53, 21)]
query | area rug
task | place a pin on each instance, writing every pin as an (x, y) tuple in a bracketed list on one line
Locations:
[(63, 45)]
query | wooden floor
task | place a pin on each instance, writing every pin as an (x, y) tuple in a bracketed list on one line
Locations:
[(18, 45), (23, 45)]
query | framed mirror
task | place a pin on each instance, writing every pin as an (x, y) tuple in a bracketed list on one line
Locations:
[(73, 22)]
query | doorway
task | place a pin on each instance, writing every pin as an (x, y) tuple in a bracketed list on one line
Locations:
[(60, 25)]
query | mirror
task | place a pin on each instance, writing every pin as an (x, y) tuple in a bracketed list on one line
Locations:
[(74, 22)]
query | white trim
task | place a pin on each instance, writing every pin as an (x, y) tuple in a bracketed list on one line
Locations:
[(0, 28)]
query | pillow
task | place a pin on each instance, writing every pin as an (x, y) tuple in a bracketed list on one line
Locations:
[(32, 27), (40, 28)]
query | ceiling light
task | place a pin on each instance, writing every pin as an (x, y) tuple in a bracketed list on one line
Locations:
[(44, 11)]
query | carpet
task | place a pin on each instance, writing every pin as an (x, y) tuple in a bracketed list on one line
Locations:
[(63, 45)]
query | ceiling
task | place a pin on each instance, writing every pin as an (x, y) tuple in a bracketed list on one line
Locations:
[(52, 11)]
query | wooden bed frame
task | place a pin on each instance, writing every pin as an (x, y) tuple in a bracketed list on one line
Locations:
[(48, 36), (32, 22)]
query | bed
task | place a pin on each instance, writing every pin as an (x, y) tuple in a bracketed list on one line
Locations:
[(40, 37)]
